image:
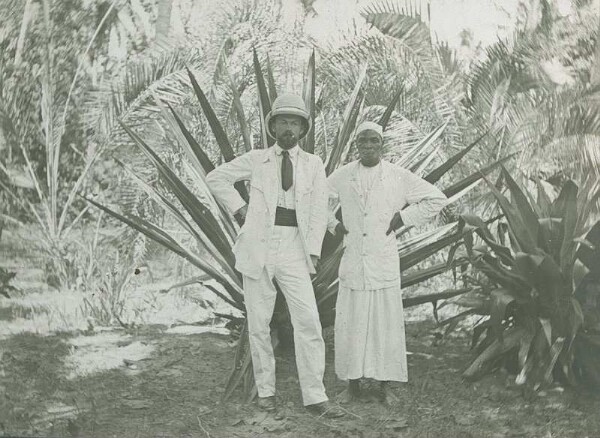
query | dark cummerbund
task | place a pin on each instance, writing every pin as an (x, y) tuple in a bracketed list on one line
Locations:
[(285, 217)]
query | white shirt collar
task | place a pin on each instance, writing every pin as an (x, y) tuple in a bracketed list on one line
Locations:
[(293, 151)]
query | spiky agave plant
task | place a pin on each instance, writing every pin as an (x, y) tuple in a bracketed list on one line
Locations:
[(214, 230), (534, 324)]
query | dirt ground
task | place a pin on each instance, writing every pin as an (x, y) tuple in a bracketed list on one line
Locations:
[(176, 392), (158, 380)]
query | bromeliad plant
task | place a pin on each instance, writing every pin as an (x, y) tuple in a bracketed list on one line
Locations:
[(533, 323), (213, 230)]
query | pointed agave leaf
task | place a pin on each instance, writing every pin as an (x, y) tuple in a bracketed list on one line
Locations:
[(436, 174), (347, 125), (308, 93), (421, 147), (163, 238), (428, 248), (568, 202), (413, 168), (213, 121), (428, 159), (218, 131), (271, 81), (198, 152), (474, 177), (196, 167), (175, 212), (198, 211), (239, 111), (264, 101), (385, 117), (429, 298), (412, 278)]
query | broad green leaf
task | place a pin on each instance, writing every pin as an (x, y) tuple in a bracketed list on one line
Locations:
[(543, 199), (550, 236), (546, 329), (501, 298), (567, 251), (556, 349), (591, 256), (522, 235), (511, 339), (524, 348), (527, 214)]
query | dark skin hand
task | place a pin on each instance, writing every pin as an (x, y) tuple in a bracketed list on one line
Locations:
[(395, 224)]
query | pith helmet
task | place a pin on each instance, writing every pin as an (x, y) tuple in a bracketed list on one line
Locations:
[(289, 104)]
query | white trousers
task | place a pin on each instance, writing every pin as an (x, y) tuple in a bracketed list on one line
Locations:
[(286, 263)]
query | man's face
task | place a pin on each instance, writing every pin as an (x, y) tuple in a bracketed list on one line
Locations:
[(369, 145), (287, 129)]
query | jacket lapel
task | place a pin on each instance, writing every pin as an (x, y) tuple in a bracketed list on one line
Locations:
[(270, 184), (301, 179)]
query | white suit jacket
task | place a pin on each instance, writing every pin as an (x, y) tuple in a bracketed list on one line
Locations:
[(370, 259), (260, 168)]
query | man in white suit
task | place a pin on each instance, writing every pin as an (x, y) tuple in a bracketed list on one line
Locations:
[(376, 197), (284, 225)]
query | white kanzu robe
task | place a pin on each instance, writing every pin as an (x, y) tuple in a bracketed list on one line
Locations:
[(369, 326)]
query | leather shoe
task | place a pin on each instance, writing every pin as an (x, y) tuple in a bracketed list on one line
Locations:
[(267, 403), (325, 409)]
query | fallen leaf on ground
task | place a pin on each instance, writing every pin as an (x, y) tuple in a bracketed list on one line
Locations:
[(137, 404), (464, 420), (397, 424)]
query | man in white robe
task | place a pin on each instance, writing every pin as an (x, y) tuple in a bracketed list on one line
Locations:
[(376, 198)]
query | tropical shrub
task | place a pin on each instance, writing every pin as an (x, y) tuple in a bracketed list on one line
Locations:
[(533, 322)]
